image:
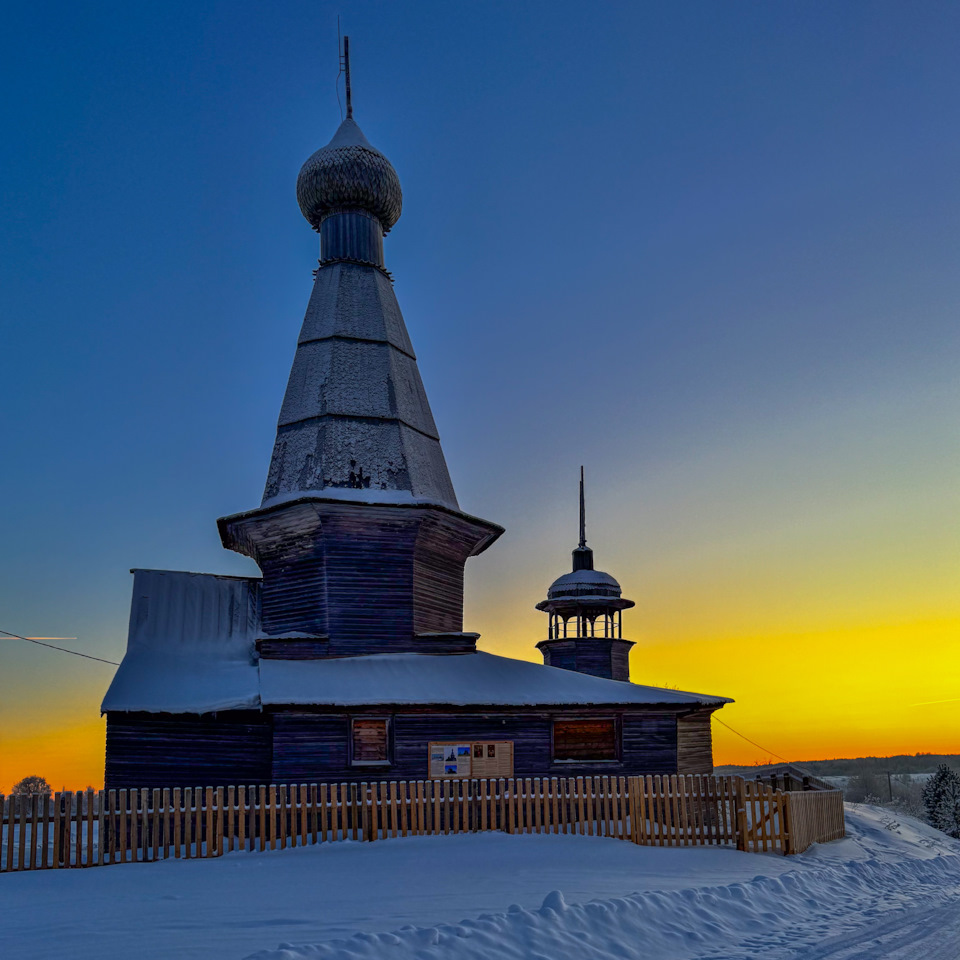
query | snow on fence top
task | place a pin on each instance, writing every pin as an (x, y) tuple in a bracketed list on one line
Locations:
[(192, 649)]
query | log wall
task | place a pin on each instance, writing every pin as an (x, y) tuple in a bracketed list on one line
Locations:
[(169, 750), (359, 578), (304, 745), (695, 743)]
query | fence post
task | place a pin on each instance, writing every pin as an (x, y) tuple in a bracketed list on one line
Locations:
[(740, 817), (781, 803), (789, 845), (366, 811), (219, 822)]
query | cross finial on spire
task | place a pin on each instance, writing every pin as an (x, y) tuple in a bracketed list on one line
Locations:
[(346, 70), (583, 514)]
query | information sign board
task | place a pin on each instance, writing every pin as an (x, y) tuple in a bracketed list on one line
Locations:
[(471, 759)]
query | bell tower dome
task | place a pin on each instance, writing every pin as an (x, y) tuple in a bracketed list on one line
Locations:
[(585, 608)]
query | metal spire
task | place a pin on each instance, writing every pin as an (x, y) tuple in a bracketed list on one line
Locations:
[(346, 70), (583, 515)]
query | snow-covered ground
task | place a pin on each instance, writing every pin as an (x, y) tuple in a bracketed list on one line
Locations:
[(890, 890)]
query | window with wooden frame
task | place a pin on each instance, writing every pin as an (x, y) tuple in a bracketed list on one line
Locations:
[(585, 740), (371, 741)]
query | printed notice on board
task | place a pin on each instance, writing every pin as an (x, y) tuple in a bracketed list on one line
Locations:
[(487, 758), (450, 759)]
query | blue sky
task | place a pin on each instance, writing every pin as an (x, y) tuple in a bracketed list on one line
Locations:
[(708, 250)]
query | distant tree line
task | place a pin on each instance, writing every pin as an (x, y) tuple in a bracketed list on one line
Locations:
[(880, 766)]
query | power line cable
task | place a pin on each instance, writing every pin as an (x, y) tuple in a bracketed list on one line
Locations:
[(754, 742), (76, 653), (113, 663)]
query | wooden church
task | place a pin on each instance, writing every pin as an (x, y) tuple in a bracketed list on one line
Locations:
[(347, 660)]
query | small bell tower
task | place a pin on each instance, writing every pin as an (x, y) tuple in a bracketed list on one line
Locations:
[(585, 608)]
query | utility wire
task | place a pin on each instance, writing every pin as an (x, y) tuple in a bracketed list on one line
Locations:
[(76, 653), (754, 742)]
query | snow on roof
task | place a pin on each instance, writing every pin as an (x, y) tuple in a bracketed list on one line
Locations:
[(192, 649), (585, 576), (348, 134), (466, 679)]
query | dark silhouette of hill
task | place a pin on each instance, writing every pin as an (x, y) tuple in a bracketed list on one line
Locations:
[(857, 766)]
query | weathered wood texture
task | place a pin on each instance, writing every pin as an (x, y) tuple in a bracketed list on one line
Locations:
[(597, 656), (364, 578), (814, 817), (310, 746), (159, 750), (580, 739), (166, 750), (98, 828), (650, 742), (314, 745), (695, 743)]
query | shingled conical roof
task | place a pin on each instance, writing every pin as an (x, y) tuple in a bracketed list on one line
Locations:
[(355, 420)]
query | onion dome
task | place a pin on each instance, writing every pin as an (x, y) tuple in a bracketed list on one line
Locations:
[(349, 174)]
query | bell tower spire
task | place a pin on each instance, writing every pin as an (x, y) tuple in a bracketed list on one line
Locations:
[(586, 623), (583, 555), (583, 514)]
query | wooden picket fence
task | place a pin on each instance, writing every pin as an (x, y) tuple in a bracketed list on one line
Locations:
[(814, 821), (92, 828)]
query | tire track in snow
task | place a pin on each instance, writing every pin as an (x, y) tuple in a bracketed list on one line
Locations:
[(911, 934)]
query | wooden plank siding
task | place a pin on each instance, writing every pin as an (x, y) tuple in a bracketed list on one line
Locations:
[(650, 742), (444, 543), (313, 745), (360, 578), (595, 656), (695, 743), (181, 750)]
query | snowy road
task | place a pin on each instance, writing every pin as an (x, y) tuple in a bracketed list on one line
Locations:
[(870, 933), (907, 935)]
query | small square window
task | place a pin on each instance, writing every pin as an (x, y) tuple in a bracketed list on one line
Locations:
[(370, 742), (585, 740)]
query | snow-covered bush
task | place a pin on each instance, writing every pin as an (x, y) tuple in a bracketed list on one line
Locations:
[(909, 804), (941, 798)]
